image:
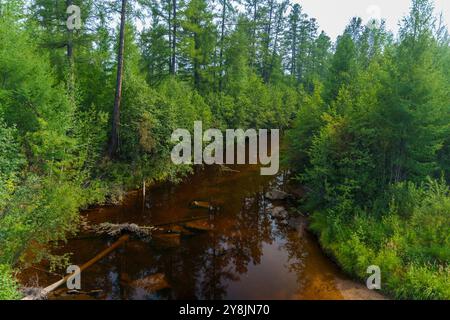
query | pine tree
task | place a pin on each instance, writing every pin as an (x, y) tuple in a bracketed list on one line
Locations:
[(198, 43)]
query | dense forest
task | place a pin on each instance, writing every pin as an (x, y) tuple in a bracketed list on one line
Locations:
[(87, 114)]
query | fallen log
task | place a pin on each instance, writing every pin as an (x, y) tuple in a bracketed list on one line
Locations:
[(44, 292), (145, 232), (182, 221), (113, 230)]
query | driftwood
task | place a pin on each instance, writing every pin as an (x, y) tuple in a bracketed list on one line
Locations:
[(44, 292), (110, 229), (143, 232), (33, 293), (113, 230)]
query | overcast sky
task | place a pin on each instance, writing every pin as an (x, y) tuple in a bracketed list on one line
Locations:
[(333, 15)]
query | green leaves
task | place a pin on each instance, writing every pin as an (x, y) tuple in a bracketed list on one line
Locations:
[(368, 151), (11, 163), (8, 284)]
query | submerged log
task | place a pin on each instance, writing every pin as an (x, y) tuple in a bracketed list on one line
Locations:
[(182, 221), (201, 205), (181, 230), (152, 283), (201, 225)]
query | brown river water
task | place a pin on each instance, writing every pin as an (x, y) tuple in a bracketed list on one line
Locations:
[(245, 255)]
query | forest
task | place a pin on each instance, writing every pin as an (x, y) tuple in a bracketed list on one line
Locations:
[(87, 115)]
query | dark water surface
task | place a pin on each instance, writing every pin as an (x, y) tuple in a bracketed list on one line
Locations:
[(246, 255)]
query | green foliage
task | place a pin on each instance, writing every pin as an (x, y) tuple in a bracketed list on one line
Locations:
[(9, 286), (11, 161), (307, 124), (412, 252), (368, 151), (43, 161), (198, 42), (41, 210)]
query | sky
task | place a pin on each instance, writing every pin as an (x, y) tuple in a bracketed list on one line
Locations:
[(334, 15)]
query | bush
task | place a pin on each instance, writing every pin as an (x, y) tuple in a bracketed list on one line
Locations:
[(8, 284), (11, 161), (410, 244)]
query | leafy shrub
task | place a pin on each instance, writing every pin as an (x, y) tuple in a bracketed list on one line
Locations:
[(8, 284), (412, 247)]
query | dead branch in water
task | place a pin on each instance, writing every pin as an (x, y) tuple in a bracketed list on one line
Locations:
[(40, 294), (113, 230), (142, 232)]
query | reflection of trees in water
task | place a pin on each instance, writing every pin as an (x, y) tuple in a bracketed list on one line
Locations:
[(216, 270), (204, 264), (202, 268), (297, 253), (248, 233), (314, 278)]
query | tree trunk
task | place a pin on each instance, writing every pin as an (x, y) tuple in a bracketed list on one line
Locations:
[(98, 257), (222, 35), (268, 40), (294, 53), (114, 140), (275, 43), (255, 15), (70, 37), (196, 63), (71, 78), (169, 22), (174, 36)]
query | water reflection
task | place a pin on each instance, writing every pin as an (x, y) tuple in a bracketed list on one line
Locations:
[(246, 255)]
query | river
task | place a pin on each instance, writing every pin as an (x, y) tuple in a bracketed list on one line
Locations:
[(246, 255)]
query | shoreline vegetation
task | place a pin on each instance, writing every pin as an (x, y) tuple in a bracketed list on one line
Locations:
[(366, 120)]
